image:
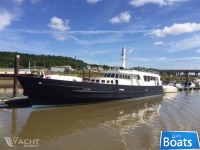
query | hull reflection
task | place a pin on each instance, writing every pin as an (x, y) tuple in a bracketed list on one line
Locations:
[(52, 123)]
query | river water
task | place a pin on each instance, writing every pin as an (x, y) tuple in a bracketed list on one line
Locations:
[(133, 125)]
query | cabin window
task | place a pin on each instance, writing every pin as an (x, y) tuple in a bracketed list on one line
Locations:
[(123, 76), (129, 77), (97, 81), (112, 81), (138, 77), (108, 75), (108, 81), (105, 75), (102, 81), (126, 77), (112, 75), (145, 78), (149, 78), (120, 76), (117, 75), (116, 82), (92, 80)]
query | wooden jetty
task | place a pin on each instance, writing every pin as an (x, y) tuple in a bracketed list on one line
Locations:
[(15, 102), (188, 88)]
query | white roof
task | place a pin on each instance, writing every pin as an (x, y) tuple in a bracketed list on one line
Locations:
[(134, 72)]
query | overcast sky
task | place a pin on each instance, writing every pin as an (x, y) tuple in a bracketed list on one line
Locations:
[(156, 33)]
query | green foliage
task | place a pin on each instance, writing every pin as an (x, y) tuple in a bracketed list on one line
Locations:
[(7, 60)]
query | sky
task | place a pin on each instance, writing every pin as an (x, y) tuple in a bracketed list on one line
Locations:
[(162, 34)]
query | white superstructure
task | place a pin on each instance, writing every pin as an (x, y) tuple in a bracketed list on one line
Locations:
[(128, 77)]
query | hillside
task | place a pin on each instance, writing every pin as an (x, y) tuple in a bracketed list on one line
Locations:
[(7, 60)]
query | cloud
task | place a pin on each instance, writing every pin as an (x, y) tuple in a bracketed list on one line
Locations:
[(198, 51), (20, 43), (6, 19), (19, 2), (130, 51), (158, 43), (93, 1), (99, 52), (137, 3), (185, 44), (58, 24), (163, 59), (122, 17), (34, 1), (177, 29)]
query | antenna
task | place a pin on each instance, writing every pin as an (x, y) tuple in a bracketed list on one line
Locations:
[(123, 57)]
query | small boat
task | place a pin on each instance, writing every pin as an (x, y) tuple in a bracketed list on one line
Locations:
[(187, 86), (169, 89), (116, 85), (197, 82)]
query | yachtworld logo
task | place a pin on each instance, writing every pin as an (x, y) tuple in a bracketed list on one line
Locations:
[(13, 141), (179, 140)]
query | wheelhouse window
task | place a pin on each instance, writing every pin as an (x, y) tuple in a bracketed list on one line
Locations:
[(145, 78), (125, 76), (108, 75), (112, 75), (122, 76), (149, 78)]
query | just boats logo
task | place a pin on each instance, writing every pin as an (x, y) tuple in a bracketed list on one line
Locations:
[(179, 140), (14, 141)]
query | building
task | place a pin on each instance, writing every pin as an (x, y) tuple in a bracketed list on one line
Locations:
[(61, 69)]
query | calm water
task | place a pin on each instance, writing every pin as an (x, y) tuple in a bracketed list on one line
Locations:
[(110, 126)]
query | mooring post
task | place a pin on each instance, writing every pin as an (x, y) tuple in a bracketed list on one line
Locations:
[(16, 72), (187, 76), (83, 74), (89, 74)]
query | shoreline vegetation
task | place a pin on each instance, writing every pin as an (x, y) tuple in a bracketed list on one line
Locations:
[(42, 61)]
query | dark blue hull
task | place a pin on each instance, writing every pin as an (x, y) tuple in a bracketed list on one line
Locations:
[(48, 92)]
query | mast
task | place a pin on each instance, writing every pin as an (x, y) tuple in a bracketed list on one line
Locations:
[(123, 57)]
